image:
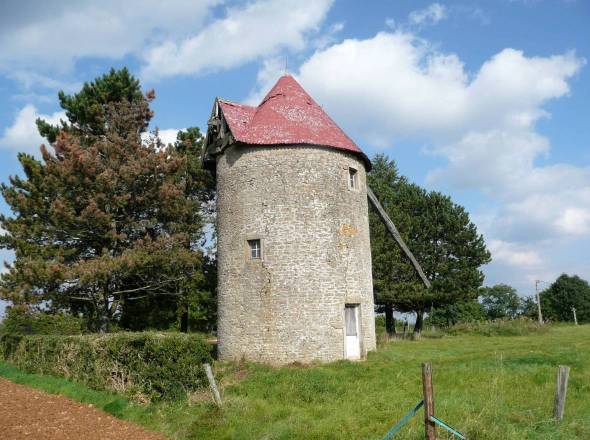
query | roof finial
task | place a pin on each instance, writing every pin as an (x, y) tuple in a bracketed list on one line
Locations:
[(286, 72)]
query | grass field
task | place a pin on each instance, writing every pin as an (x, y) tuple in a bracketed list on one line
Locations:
[(487, 387)]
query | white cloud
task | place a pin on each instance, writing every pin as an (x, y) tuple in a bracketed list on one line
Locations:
[(512, 254), (402, 87), (394, 80), (246, 33), (53, 36), (494, 153), (22, 135), (396, 86), (429, 15), (42, 42), (575, 220), (168, 136)]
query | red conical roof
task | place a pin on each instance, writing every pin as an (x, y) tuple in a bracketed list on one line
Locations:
[(286, 115)]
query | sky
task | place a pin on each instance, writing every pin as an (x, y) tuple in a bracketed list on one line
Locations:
[(486, 101)]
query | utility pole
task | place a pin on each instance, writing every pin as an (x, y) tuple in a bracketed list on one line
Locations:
[(538, 301)]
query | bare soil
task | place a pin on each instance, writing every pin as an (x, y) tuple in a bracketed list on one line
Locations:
[(26, 413)]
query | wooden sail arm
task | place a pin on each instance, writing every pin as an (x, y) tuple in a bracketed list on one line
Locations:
[(396, 235)]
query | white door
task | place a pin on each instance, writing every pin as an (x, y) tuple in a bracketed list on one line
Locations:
[(352, 340)]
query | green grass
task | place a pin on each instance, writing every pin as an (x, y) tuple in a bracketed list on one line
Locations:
[(495, 387)]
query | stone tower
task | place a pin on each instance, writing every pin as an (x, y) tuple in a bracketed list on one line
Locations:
[(294, 257)]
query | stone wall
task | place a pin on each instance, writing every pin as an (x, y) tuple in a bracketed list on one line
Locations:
[(316, 257)]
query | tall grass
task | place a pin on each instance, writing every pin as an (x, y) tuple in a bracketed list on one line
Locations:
[(492, 387)]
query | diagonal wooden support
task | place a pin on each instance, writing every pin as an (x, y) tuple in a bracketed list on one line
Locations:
[(396, 235)]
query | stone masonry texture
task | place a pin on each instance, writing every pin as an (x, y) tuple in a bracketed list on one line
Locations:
[(289, 305)]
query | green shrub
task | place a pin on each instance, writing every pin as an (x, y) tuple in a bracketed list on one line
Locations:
[(146, 366), (22, 321), (499, 327)]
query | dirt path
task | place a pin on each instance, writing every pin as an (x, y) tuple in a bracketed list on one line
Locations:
[(26, 413)]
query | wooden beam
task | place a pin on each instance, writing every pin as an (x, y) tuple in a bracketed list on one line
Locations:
[(396, 235)]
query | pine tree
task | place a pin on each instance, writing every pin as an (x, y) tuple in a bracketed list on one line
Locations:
[(86, 109), (199, 304), (439, 234), (393, 275), (195, 307), (103, 221), (87, 119)]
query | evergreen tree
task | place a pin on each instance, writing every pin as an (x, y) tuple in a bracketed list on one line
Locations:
[(440, 235), (392, 273), (198, 308), (86, 109), (566, 292), (195, 307), (103, 221), (88, 118)]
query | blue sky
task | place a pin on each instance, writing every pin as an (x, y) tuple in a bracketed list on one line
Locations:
[(487, 101)]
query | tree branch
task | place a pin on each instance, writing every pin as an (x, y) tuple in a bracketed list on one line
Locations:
[(152, 286)]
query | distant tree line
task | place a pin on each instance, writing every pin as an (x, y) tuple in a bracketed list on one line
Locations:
[(502, 302)]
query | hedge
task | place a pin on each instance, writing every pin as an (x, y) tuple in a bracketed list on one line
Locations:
[(146, 366), (499, 327)]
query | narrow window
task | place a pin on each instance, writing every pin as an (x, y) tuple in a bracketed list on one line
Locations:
[(255, 249), (352, 178)]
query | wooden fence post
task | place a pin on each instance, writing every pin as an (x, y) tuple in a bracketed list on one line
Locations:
[(561, 391), (212, 384), (429, 426)]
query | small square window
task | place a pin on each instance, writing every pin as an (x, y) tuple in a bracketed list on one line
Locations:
[(352, 178), (255, 249)]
